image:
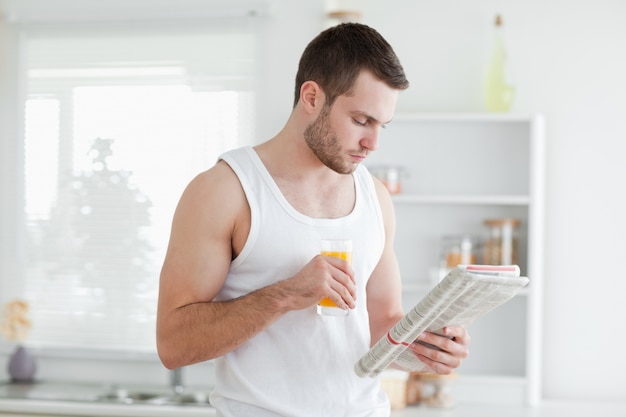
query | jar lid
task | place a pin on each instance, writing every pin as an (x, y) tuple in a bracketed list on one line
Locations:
[(459, 237), (502, 222), (433, 376)]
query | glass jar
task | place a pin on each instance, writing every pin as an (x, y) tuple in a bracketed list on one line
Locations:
[(501, 245), (458, 250), (435, 390), (390, 176)]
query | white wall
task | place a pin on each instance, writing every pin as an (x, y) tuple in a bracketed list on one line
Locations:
[(570, 65), (570, 61)]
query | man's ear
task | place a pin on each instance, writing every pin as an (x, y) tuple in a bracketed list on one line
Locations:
[(312, 97)]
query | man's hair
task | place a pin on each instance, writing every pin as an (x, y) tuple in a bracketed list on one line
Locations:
[(335, 58)]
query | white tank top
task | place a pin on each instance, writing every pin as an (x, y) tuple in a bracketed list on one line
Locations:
[(302, 364)]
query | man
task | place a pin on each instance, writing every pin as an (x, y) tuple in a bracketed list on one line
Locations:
[(243, 273)]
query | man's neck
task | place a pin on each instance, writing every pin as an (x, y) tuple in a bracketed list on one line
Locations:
[(308, 185)]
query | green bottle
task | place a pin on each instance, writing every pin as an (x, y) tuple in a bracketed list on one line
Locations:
[(498, 88)]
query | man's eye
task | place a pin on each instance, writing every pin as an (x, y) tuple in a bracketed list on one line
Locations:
[(359, 122)]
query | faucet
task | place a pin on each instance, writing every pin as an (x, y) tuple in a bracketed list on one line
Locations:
[(176, 380)]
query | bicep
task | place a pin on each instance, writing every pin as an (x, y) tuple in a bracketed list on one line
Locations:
[(200, 248)]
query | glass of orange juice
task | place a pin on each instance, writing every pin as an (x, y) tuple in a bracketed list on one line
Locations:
[(339, 248)]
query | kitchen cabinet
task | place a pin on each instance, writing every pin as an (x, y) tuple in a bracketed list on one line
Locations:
[(456, 171)]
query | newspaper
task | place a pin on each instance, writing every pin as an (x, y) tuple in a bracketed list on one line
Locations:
[(465, 293)]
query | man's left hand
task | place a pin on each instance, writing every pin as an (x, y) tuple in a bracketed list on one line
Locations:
[(442, 354)]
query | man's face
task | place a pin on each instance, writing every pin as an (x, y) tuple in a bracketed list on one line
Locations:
[(342, 135)]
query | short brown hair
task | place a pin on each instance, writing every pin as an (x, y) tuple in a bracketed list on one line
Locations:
[(335, 58)]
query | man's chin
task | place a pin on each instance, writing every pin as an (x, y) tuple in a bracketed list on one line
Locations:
[(350, 169)]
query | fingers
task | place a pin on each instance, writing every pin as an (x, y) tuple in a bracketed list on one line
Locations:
[(341, 287), (457, 333), (442, 354), (342, 266), (342, 296)]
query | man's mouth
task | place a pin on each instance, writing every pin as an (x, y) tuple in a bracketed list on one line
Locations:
[(358, 158)]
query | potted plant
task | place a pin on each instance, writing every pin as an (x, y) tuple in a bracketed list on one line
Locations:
[(14, 326)]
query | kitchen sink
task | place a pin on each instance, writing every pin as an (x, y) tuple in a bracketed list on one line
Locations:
[(158, 397), (195, 398), (124, 396), (103, 394)]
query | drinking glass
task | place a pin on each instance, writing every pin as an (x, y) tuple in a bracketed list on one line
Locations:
[(339, 248)]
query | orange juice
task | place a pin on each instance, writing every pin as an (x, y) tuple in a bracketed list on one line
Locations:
[(346, 256)]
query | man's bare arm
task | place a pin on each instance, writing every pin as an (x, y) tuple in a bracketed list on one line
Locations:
[(385, 306), (210, 227), (384, 288)]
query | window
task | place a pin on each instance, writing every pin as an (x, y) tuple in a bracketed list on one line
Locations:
[(116, 123)]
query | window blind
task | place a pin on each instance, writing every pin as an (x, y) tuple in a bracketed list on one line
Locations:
[(116, 123)]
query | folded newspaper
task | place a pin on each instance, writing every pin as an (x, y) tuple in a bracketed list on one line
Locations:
[(466, 293)]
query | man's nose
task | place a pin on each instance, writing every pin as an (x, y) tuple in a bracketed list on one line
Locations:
[(370, 142)]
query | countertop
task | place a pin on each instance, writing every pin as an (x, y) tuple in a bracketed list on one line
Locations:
[(49, 399), (94, 400), (53, 399), (12, 407), (546, 409), (66, 408)]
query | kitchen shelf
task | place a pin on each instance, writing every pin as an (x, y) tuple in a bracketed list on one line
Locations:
[(462, 117), (504, 200), (458, 170)]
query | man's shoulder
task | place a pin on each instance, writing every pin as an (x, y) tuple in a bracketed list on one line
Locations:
[(217, 182)]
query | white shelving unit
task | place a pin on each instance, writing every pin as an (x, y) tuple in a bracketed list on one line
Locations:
[(460, 169)]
